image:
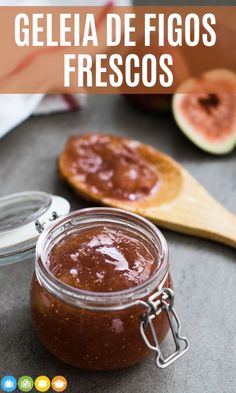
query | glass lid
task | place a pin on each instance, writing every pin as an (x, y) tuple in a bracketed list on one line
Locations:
[(23, 217)]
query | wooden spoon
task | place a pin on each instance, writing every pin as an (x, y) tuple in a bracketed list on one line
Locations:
[(180, 204)]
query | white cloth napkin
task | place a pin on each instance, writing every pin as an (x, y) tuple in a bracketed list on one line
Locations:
[(15, 108)]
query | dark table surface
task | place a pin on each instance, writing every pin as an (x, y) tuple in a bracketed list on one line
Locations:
[(204, 272)]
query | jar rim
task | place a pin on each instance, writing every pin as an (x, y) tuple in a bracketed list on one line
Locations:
[(99, 300)]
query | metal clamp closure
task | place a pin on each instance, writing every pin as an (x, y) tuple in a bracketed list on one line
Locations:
[(163, 301), (41, 226)]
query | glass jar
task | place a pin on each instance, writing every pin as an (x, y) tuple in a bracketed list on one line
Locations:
[(22, 217), (98, 330)]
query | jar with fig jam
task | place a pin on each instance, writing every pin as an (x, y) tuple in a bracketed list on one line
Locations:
[(102, 295)]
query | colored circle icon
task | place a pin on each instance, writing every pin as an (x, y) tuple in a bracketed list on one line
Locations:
[(59, 384), (25, 384), (42, 383), (8, 384)]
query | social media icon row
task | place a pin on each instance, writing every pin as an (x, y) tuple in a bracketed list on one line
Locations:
[(26, 384)]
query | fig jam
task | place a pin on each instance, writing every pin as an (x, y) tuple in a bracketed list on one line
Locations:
[(109, 166), (102, 260)]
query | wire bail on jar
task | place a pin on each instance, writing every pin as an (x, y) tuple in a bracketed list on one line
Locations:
[(163, 301), (41, 226)]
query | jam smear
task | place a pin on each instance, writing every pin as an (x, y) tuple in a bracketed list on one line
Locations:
[(103, 259), (109, 166)]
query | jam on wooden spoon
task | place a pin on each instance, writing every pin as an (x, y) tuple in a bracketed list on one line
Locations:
[(109, 167), (131, 175)]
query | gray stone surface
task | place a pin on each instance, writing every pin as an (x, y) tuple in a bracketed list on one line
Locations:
[(204, 273)]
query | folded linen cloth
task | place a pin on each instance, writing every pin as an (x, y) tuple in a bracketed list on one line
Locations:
[(15, 108)]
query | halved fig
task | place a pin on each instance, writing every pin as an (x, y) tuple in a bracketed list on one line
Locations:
[(205, 110)]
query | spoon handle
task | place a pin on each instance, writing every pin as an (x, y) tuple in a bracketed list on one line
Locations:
[(219, 226), (196, 212)]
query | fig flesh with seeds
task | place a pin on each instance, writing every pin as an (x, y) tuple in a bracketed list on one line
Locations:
[(205, 110)]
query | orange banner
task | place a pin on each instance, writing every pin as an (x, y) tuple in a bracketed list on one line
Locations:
[(111, 49)]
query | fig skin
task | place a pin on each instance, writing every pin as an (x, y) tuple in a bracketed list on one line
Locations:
[(151, 102), (214, 130)]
